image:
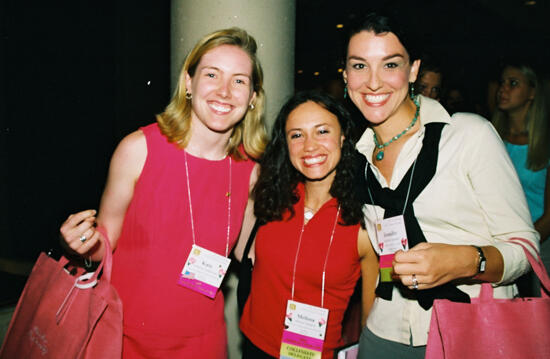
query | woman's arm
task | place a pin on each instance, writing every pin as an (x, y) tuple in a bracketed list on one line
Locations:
[(542, 225), (434, 264), (497, 197), (249, 217), (125, 168), (369, 273)]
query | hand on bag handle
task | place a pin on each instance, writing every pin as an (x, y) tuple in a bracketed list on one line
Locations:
[(88, 280), (79, 231)]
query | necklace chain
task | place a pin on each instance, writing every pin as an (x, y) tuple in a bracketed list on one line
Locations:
[(326, 257), (227, 194), (380, 154)]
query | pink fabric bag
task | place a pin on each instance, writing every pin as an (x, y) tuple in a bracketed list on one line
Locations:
[(493, 328), (62, 316)]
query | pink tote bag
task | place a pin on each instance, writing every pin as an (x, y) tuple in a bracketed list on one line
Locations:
[(493, 328), (61, 315)]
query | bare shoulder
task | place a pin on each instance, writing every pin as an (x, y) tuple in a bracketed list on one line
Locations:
[(364, 246), (130, 154), (133, 144)]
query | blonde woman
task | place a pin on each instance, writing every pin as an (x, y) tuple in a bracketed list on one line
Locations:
[(522, 120), (176, 188)]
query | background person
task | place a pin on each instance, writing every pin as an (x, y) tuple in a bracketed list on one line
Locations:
[(521, 119), (430, 79)]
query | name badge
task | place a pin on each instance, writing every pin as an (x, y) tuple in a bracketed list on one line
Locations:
[(203, 271), (304, 333), (392, 236)]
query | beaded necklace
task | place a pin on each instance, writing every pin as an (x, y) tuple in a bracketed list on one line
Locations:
[(380, 154)]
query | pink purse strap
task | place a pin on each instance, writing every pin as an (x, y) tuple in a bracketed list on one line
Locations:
[(536, 264), (88, 280)]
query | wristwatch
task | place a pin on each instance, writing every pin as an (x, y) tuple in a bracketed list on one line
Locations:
[(482, 260)]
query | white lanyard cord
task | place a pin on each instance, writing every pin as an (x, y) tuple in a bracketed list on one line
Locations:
[(408, 189), (326, 257), (228, 195)]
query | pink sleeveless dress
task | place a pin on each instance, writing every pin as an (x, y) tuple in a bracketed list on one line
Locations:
[(161, 318)]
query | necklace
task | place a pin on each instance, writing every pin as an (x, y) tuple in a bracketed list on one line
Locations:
[(326, 257), (380, 154), (227, 194), (308, 213)]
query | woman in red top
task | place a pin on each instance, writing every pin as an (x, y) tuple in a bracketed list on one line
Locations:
[(181, 182), (311, 249)]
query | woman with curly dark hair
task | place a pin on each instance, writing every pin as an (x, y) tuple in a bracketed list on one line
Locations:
[(311, 249)]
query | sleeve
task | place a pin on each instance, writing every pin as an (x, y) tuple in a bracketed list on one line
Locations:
[(500, 197)]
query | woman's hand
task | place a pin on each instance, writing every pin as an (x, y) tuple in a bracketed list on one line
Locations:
[(78, 231), (434, 264)]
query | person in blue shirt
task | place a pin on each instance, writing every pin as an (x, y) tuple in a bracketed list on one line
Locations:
[(522, 120)]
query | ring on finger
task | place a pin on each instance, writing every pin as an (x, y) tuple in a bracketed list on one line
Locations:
[(83, 238), (414, 281)]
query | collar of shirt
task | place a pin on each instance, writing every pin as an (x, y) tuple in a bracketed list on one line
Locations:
[(430, 111)]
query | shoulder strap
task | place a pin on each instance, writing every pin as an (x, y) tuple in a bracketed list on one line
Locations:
[(251, 239)]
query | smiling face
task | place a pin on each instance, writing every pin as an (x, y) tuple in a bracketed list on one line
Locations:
[(378, 73), (514, 93), (314, 139), (221, 88)]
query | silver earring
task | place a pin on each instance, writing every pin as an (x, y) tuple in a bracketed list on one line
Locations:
[(188, 95), (252, 106)]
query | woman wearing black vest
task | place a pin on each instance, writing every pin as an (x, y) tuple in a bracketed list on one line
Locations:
[(443, 183)]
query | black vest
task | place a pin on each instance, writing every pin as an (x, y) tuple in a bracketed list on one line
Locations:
[(393, 202)]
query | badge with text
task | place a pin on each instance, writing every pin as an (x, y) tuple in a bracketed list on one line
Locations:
[(204, 271), (304, 332), (392, 236)]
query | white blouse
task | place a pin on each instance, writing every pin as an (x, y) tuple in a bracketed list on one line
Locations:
[(475, 197)]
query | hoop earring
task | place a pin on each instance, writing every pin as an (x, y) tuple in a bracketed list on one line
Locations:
[(188, 95)]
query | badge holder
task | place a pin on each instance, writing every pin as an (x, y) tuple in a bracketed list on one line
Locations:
[(305, 325), (392, 236), (204, 271), (304, 333)]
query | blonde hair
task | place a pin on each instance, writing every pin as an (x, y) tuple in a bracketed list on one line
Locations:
[(175, 121), (538, 155)]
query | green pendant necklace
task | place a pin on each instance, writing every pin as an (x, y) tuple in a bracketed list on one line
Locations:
[(380, 154)]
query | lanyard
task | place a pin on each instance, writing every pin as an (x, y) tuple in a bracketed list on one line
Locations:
[(408, 189), (228, 195), (326, 257)]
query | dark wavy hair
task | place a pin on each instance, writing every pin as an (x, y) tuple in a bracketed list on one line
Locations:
[(275, 190)]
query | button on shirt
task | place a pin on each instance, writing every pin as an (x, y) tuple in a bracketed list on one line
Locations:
[(474, 198)]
